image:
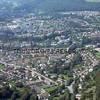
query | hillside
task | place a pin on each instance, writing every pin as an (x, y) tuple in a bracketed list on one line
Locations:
[(59, 5), (20, 6)]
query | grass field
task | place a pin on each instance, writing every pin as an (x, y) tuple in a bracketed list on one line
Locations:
[(51, 89), (98, 55), (1, 66)]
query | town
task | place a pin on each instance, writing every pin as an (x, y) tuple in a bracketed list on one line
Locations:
[(51, 54)]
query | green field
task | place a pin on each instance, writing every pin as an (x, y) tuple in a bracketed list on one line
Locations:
[(98, 55), (51, 89), (1, 66)]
